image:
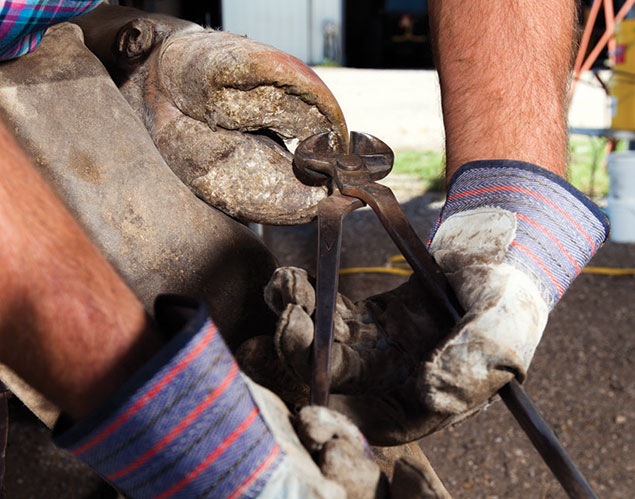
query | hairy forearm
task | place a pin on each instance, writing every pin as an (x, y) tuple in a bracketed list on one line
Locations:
[(504, 69), (68, 323)]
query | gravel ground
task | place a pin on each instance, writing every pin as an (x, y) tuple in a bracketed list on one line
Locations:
[(36, 469), (402, 107), (582, 377)]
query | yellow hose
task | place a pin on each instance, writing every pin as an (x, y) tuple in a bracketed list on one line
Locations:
[(396, 265), (396, 258), (608, 271), (375, 270)]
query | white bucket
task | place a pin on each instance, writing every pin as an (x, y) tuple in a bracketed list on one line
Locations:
[(621, 198)]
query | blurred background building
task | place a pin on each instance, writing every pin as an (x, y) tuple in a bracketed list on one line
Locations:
[(354, 33)]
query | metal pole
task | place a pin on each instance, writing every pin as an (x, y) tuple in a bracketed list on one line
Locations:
[(545, 441), (309, 30)]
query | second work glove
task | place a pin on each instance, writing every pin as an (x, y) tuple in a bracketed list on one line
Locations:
[(511, 238)]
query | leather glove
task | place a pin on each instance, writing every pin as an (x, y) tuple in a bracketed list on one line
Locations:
[(511, 238), (339, 449), (379, 349), (189, 422)]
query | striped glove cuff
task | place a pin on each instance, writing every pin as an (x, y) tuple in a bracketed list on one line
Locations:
[(558, 229), (185, 425)]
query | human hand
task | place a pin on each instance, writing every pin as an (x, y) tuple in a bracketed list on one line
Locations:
[(511, 239), (379, 348), (330, 457), (404, 377), (190, 422), (339, 449)]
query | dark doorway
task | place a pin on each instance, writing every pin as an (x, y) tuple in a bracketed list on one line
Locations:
[(387, 34), (207, 13)]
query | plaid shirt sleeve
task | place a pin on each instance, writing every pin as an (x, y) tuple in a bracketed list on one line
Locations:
[(23, 22)]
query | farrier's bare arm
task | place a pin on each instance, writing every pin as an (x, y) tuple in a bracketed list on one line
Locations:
[(504, 69), (68, 323)]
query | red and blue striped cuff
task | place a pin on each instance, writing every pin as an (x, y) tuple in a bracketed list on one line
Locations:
[(23, 22), (185, 425), (558, 228)]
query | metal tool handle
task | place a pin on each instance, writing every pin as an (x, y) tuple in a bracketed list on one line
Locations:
[(545, 441), (331, 212), (383, 202)]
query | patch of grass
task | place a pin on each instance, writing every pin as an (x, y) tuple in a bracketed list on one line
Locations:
[(329, 63), (586, 170), (427, 166)]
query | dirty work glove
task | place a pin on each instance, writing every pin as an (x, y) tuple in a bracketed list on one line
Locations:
[(338, 448), (191, 424), (379, 347), (511, 238)]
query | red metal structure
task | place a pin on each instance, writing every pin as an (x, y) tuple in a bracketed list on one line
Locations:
[(583, 63)]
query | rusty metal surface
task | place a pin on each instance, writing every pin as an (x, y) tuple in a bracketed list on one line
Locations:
[(331, 213), (352, 172)]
